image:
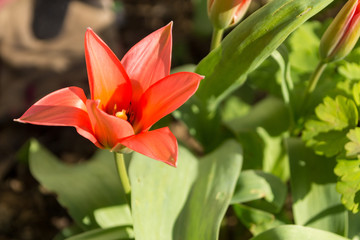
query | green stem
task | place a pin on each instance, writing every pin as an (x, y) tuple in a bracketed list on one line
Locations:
[(124, 178), (315, 78), (216, 38)]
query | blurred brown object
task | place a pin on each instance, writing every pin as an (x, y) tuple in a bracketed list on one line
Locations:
[(30, 66)]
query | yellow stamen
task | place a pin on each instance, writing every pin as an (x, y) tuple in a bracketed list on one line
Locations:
[(121, 115)]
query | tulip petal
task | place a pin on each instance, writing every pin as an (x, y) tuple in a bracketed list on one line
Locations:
[(108, 80), (164, 97), (64, 107), (149, 60), (108, 129), (159, 144)]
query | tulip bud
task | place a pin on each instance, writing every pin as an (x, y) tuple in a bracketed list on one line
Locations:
[(226, 13), (342, 34)]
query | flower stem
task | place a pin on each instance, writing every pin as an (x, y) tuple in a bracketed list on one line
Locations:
[(315, 78), (216, 38), (124, 178)]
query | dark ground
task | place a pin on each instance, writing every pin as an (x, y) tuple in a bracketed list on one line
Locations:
[(27, 211)]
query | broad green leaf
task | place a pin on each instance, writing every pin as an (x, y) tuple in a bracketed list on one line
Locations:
[(270, 114), (255, 184), (294, 232), (315, 200), (187, 202), (354, 227), (210, 195), (81, 188), (109, 216), (350, 71), (275, 159), (159, 193), (115, 233), (353, 147), (234, 108), (349, 183), (255, 220), (249, 44)]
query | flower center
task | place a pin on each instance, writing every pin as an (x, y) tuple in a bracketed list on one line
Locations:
[(122, 115)]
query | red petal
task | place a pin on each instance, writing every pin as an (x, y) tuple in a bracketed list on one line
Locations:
[(149, 60), (164, 97), (64, 107), (108, 129), (108, 80), (159, 144)]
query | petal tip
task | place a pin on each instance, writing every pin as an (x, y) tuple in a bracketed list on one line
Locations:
[(18, 120)]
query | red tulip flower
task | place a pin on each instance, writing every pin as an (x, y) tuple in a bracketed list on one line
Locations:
[(127, 98)]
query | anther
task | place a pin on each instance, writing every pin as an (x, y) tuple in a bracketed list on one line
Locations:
[(122, 115)]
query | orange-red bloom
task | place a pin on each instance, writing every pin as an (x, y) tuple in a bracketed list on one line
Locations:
[(127, 97)]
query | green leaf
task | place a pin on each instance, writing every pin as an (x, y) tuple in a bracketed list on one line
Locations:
[(109, 216), (304, 45), (354, 227), (339, 113), (256, 220), (350, 70), (275, 159), (81, 188), (353, 147), (159, 193), (254, 185), (293, 232), (115, 233), (315, 200), (349, 183), (249, 44), (327, 134), (187, 202), (356, 93), (210, 195), (270, 114)]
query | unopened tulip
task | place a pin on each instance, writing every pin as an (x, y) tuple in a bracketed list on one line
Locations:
[(226, 13), (342, 34)]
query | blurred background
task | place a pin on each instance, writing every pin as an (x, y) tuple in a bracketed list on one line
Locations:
[(42, 50)]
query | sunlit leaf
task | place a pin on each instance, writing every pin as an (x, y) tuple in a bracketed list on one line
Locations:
[(115, 233), (211, 194), (353, 147), (327, 134), (187, 202), (294, 232), (350, 70), (349, 183)]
